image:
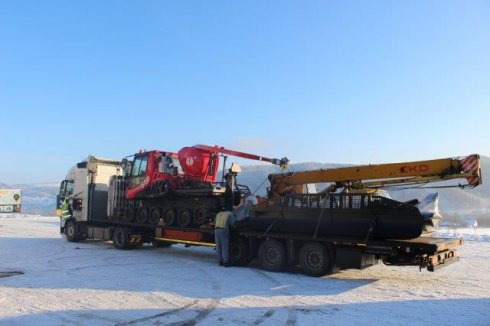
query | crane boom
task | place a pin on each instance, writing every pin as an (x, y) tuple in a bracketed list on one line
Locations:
[(378, 175), (283, 162)]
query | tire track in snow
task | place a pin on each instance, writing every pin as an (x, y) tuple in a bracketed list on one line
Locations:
[(264, 317), (292, 312), (198, 313), (201, 315), (211, 306), (160, 315), (292, 317)]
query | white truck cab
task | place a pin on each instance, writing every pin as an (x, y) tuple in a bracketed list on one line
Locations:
[(86, 188)]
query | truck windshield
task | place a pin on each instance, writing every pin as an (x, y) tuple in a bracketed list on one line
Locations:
[(66, 187), (139, 170), (139, 166)]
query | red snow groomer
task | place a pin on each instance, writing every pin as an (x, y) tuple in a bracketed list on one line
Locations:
[(179, 187)]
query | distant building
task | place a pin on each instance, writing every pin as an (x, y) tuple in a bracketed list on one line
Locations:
[(10, 200)]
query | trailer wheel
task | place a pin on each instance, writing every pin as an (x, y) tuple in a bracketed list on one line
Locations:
[(155, 215), (239, 255), (142, 215), (168, 216), (184, 218), (120, 237), (71, 231), (315, 259), (272, 255)]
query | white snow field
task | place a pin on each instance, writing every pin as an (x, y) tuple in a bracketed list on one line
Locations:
[(91, 283)]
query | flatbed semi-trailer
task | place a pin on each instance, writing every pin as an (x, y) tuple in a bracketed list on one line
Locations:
[(316, 256), (87, 188)]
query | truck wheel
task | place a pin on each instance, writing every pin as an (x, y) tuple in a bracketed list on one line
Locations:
[(120, 237), (71, 231), (155, 215), (239, 255), (168, 216), (272, 255), (142, 215), (315, 259), (184, 218)]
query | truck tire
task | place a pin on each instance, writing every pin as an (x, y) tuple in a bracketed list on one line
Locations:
[(272, 255), (120, 237), (315, 259), (71, 231), (239, 253), (142, 215)]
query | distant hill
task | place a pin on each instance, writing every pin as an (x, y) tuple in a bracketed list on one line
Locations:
[(454, 202)]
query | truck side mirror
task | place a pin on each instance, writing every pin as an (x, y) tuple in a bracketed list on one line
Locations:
[(62, 188)]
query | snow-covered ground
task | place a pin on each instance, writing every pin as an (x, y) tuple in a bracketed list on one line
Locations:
[(91, 283)]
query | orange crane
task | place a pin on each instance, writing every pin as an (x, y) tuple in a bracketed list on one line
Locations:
[(367, 178)]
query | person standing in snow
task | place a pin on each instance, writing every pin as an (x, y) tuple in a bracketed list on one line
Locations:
[(222, 223)]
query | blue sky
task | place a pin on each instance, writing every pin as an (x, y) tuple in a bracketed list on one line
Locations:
[(345, 82)]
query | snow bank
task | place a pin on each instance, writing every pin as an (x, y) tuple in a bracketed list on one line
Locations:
[(468, 234)]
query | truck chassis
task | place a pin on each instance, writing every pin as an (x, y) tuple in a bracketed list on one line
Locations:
[(316, 256)]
